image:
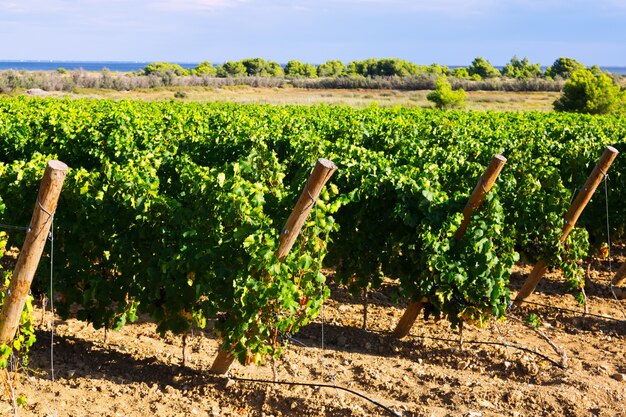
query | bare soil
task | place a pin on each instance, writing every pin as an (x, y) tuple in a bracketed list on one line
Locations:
[(429, 373)]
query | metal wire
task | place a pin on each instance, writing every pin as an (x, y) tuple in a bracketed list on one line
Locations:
[(52, 299)]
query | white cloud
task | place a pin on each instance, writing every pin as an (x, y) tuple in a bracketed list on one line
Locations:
[(195, 5), (33, 6), (448, 7)]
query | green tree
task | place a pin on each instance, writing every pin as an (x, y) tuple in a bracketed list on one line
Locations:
[(460, 72), (437, 69), (563, 67), (255, 66), (385, 67), (444, 97), (482, 68), (332, 68), (204, 68), (273, 69), (162, 68), (521, 69), (231, 69), (258, 67), (298, 69), (591, 91)]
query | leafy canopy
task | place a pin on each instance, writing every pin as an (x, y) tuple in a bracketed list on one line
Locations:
[(444, 97), (591, 91)]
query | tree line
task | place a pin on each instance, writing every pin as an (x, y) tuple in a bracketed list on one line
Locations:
[(479, 69)]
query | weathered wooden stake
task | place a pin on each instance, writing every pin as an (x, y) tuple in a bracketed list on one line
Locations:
[(620, 276), (574, 212), (32, 249), (322, 172), (480, 191)]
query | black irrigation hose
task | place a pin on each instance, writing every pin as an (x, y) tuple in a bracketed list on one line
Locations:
[(306, 384), (572, 311), (11, 227), (525, 349)]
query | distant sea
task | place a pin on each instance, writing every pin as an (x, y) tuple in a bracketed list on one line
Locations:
[(118, 66), (128, 66)]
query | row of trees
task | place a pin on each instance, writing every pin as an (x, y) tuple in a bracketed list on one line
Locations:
[(479, 69)]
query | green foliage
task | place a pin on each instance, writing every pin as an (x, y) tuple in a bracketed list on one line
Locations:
[(232, 69), (61, 70), (533, 320), (332, 68), (258, 67), (298, 69), (204, 68), (591, 92), (564, 68), (386, 67), (460, 73), (521, 69), (161, 68), (25, 336), (174, 209), (482, 68), (444, 97)]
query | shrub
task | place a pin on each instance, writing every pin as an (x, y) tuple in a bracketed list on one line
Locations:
[(444, 97), (521, 69), (298, 69), (232, 69), (160, 68), (204, 68), (482, 68), (563, 67), (590, 91), (332, 68)]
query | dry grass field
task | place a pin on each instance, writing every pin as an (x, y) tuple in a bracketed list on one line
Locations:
[(476, 100)]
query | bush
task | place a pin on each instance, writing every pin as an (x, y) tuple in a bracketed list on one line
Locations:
[(444, 97), (563, 68), (591, 91), (482, 68), (521, 69)]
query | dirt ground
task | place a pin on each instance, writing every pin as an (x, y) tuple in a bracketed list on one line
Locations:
[(429, 373)]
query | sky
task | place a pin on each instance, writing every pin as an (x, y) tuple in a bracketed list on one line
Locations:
[(448, 32)]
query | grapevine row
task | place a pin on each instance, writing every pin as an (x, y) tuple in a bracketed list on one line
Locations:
[(175, 209)]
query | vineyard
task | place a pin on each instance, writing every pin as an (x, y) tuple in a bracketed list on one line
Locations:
[(175, 211)]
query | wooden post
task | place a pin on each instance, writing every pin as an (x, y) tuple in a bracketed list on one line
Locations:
[(322, 172), (32, 249), (478, 195), (620, 276), (480, 191), (574, 212)]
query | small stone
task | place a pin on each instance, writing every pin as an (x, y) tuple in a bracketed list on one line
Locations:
[(230, 383), (485, 404), (619, 377)]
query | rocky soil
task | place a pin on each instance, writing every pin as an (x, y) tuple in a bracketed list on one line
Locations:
[(504, 369)]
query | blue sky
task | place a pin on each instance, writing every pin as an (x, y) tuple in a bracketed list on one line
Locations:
[(449, 32)]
